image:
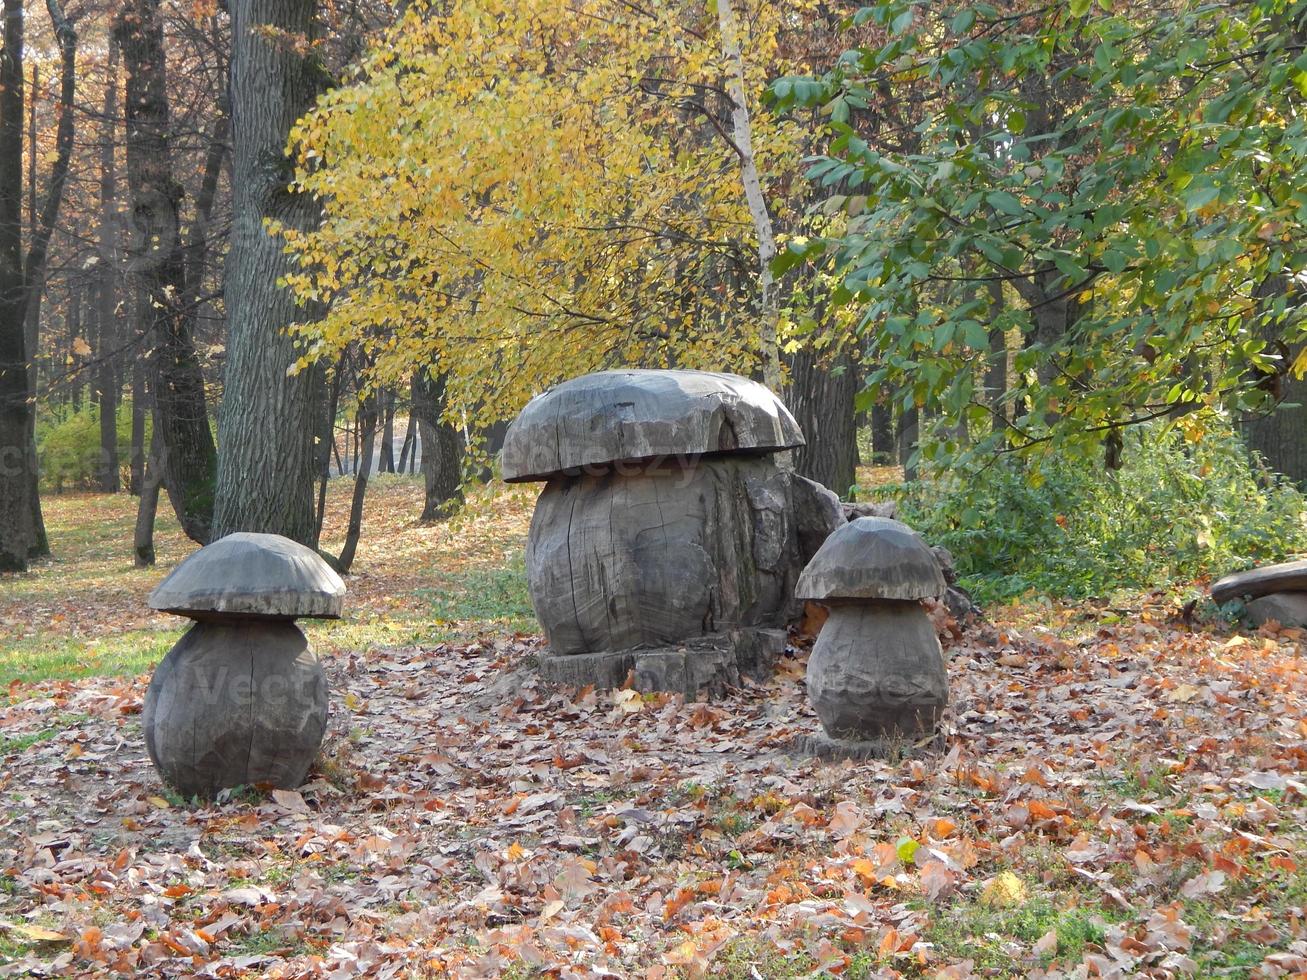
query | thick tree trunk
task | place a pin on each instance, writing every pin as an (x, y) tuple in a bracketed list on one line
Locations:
[(1281, 436), (186, 455), (107, 380), (268, 465), (442, 448), (821, 397), (22, 529), (17, 453)]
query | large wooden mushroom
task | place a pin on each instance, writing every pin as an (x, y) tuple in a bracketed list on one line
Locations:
[(241, 698), (664, 518), (876, 673)]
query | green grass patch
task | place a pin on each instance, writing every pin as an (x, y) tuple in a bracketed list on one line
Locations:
[(970, 930), (35, 659), (496, 596)]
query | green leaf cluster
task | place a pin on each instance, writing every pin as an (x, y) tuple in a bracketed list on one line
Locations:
[(1115, 194)]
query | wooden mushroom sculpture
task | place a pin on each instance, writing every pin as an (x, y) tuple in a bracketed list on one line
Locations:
[(663, 518), (876, 671), (241, 698)]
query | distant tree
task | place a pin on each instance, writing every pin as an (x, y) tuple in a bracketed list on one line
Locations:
[(157, 265)]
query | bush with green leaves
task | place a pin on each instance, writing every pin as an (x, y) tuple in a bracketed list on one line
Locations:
[(1064, 527), (69, 448)]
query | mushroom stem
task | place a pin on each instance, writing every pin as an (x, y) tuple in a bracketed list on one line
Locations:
[(877, 670), (235, 703)]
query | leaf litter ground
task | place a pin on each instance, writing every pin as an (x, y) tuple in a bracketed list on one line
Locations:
[(1112, 799)]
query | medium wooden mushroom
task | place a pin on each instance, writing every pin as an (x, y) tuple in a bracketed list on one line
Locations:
[(241, 698), (664, 516), (876, 670)]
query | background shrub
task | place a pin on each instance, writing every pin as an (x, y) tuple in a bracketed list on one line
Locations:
[(69, 448), (1176, 512)]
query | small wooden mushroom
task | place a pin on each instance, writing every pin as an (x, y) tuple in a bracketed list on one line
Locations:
[(241, 698), (876, 670)]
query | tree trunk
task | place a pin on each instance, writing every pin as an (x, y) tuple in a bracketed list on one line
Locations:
[(386, 459), (367, 417), (909, 436), (22, 528), (1281, 436), (73, 318), (268, 464), (326, 449), (107, 273), (996, 369), (883, 446), (186, 456), (106, 384), (821, 397), (408, 451), (442, 448), (768, 300), (17, 452), (146, 509)]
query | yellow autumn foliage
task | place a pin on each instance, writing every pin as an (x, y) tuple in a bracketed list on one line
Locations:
[(520, 191)]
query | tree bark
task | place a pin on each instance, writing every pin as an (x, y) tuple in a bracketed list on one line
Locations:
[(17, 452), (186, 455), (22, 528), (821, 397), (883, 446), (268, 465), (1281, 436), (442, 448), (908, 436), (107, 369)]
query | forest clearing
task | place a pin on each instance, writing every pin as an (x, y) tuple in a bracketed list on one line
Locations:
[(653, 489)]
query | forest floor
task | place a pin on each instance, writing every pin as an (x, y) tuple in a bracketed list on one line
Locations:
[(1122, 792)]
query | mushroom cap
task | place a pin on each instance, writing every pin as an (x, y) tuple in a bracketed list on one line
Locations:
[(631, 416), (251, 576), (872, 558)]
